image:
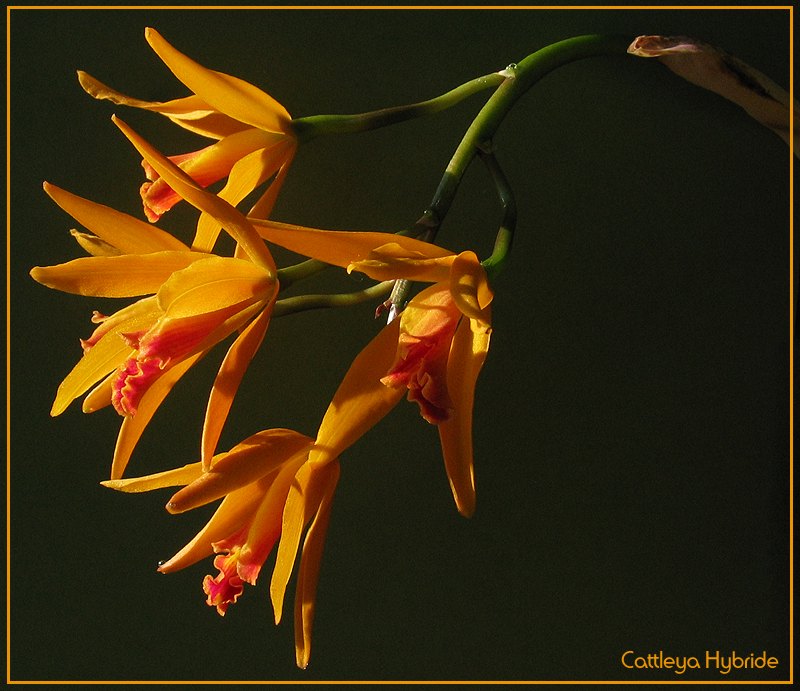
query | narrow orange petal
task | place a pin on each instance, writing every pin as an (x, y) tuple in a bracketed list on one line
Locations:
[(308, 575), (470, 286), (231, 514), (227, 382), (302, 503), (340, 247), (106, 355), (234, 222), (191, 112), (128, 234), (266, 526), (245, 175), (230, 95), (166, 478), (467, 355), (263, 207), (361, 400), (100, 396), (133, 426), (245, 463), (122, 275)]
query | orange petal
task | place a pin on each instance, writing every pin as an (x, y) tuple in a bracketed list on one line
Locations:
[(106, 355), (191, 113), (245, 175), (213, 284), (392, 261), (227, 382), (245, 463), (467, 355), (470, 286), (266, 526), (311, 484), (340, 247), (361, 400), (129, 235), (233, 221), (147, 483), (100, 396), (231, 514), (123, 275), (230, 95), (133, 426), (263, 207), (308, 576)]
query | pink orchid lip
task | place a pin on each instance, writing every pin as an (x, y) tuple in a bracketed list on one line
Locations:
[(226, 588)]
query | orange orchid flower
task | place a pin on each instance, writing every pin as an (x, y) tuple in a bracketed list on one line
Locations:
[(254, 140), (268, 490), (435, 351), (190, 301)]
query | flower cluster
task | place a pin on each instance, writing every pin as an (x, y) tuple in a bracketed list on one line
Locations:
[(276, 487)]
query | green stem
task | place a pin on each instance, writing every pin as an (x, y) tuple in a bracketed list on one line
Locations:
[(297, 272), (505, 234), (301, 303), (519, 78), (312, 126)]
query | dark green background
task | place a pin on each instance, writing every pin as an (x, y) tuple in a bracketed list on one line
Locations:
[(631, 425)]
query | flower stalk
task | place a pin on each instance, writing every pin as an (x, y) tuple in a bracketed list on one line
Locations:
[(312, 126)]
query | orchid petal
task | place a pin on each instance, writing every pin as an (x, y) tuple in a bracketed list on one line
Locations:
[(213, 284), (233, 221), (123, 275), (265, 528), (467, 355), (341, 247), (247, 462), (469, 285), (303, 501), (245, 175), (392, 261), (129, 235), (166, 478), (361, 400), (232, 512), (134, 425), (94, 245), (105, 355), (100, 396), (191, 112), (227, 382), (263, 207), (308, 575), (230, 95)]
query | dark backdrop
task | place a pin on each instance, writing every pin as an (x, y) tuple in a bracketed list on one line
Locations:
[(631, 425)]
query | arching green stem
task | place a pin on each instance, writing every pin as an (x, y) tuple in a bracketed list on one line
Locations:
[(508, 223), (316, 125), (301, 303), (518, 79)]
